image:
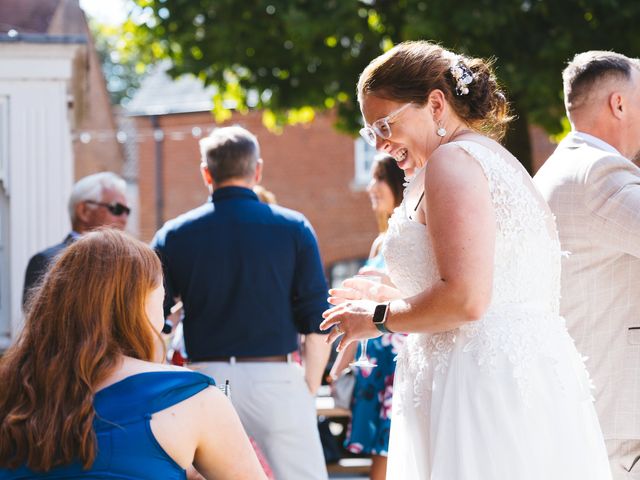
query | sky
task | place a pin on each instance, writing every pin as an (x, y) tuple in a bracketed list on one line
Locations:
[(112, 12)]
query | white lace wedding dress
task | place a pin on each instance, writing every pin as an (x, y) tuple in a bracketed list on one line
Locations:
[(506, 397)]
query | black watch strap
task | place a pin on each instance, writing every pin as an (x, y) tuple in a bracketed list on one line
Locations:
[(380, 317)]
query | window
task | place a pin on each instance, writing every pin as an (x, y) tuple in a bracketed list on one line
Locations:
[(364, 155)]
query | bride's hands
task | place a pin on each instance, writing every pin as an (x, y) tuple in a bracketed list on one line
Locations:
[(359, 288), (353, 320)]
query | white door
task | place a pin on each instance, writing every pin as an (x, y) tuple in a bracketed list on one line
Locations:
[(5, 303)]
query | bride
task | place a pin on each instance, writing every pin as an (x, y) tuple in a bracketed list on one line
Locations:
[(489, 385)]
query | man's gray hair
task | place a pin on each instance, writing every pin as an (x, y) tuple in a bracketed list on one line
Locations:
[(586, 70), (230, 152), (92, 187)]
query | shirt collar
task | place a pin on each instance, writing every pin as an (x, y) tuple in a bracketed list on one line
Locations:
[(595, 141), (225, 193)]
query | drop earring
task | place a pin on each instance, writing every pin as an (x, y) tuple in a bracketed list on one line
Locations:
[(441, 132)]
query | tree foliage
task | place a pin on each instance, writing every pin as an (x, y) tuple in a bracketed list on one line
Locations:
[(287, 56), (121, 65)]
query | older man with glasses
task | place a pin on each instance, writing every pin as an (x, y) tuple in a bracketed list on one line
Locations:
[(96, 200)]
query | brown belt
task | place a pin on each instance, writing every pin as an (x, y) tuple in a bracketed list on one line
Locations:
[(270, 358)]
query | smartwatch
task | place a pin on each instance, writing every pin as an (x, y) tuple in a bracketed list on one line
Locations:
[(380, 317)]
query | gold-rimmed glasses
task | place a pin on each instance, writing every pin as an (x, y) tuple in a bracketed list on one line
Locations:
[(380, 127)]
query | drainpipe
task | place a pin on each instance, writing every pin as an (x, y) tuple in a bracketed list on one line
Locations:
[(158, 137)]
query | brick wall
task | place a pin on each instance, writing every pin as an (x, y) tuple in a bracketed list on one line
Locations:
[(93, 114), (309, 168)]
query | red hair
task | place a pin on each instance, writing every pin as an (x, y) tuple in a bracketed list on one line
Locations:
[(89, 311)]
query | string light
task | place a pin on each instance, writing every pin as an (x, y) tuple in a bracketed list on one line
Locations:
[(177, 134)]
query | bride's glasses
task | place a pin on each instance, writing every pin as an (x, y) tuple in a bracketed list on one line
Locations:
[(380, 127)]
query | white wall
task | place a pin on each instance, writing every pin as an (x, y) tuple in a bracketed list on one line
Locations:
[(5, 302), (5, 290), (38, 173)]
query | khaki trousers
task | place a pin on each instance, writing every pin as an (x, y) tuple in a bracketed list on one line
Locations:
[(624, 457), (277, 411)]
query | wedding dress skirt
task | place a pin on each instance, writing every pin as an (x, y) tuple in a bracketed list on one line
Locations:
[(506, 397)]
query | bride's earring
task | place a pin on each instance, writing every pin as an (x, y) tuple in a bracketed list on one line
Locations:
[(441, 132)]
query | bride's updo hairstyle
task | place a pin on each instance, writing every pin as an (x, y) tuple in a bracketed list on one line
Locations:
[(410, 71)]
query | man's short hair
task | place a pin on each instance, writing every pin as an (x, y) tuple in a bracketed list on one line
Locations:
[(92, 187), (587, 70), (230, 152)]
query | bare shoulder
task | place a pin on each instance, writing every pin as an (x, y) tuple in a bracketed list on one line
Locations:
[(129, 366), (167, 367), (450, 163), (210, 404), (141, 366)]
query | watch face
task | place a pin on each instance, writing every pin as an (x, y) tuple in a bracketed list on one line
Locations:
[(378, 314)]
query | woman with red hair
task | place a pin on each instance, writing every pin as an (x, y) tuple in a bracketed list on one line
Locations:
[(81, 396)]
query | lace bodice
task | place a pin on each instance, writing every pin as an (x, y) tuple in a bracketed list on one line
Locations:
[(527, 253), (523, 315)]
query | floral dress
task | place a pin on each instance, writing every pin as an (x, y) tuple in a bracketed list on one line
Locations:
[(371, 404)]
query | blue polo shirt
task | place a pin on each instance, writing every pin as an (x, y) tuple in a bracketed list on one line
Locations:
[(249, 275)]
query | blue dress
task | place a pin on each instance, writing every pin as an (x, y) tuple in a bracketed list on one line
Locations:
[(370, 424), (127, 448)]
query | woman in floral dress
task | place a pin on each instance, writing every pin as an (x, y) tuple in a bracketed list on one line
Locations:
[(368, 431)]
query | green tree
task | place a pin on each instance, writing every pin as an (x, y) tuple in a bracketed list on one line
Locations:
[(289, 57), (121, 66)]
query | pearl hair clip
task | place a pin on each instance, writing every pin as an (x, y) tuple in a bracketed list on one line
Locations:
[(462, 75)]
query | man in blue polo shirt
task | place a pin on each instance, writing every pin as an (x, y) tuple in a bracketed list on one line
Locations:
[(250, 278)]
